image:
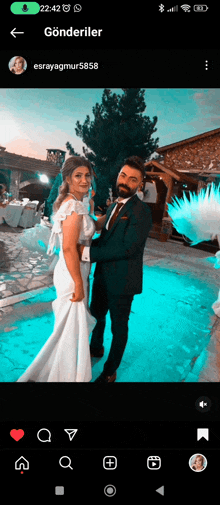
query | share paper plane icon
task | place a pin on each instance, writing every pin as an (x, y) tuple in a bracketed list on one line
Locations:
[(71, 433)]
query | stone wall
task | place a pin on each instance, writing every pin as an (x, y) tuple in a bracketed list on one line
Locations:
[(26, 176), (56, 156), (202, 154), (14, 183), (5, 177)]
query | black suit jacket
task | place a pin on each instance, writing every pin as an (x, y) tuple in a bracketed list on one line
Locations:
[(119, 252)]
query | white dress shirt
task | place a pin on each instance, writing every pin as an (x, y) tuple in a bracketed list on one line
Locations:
[(140, 195), (86, 250), (151, 192)]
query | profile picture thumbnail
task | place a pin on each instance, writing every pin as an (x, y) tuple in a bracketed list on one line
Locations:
[(17, 65), (198, 462)]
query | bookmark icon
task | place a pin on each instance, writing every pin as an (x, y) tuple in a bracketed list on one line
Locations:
[(202, 433)]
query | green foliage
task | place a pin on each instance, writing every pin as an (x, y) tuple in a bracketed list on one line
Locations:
[(52, 196), (71, 150), (119, 130)]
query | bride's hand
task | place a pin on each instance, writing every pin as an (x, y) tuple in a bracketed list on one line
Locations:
[(80, 248), (79, 294)]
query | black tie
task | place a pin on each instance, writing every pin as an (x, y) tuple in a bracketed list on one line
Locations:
[(114, 217)]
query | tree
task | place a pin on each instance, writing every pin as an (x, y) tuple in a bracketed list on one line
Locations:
[(52, 196), (71, 150), (119, 130)]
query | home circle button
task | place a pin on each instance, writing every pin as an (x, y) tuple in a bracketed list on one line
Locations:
[(110, 490)]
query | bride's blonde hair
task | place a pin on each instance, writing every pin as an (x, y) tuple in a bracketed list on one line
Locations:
[(68, 167)]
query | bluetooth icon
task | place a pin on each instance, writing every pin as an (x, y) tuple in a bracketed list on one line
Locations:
[(161, 7)]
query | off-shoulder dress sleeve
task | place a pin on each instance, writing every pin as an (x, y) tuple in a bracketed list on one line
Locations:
[(65, 210)]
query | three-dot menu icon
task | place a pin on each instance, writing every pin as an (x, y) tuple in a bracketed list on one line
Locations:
[(209, 65)]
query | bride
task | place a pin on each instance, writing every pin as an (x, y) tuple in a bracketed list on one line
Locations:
[(65, 357)]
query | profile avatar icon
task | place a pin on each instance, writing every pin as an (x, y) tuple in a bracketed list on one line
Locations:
[(198, 463), (17, 65)]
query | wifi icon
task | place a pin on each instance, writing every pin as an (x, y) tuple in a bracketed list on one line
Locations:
[(186, 7)]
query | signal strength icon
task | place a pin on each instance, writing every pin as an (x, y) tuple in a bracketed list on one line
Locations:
[(174, 9), (186, 7)]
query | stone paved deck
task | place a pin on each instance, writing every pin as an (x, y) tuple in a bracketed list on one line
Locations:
[(21, 270), (24, 274)]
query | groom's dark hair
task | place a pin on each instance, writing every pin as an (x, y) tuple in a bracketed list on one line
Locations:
[(137, 163)]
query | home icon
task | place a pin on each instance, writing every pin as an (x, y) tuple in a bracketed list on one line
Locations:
[(22, 464)]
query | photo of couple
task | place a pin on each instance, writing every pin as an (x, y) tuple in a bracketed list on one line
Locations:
[(118, 276)]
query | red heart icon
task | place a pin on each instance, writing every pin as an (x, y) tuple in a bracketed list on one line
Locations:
[(17, 434)]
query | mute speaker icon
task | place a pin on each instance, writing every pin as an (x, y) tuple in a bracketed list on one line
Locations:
[(203, 404)]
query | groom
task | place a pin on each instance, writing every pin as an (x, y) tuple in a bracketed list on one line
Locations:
[(118, 253)]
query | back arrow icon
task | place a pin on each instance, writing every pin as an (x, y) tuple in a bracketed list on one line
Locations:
[(160, 490), (15, 33)]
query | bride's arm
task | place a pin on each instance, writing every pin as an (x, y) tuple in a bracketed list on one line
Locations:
[(99, 221), (71, 231)]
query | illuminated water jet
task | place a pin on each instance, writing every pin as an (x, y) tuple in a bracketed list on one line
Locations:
[(198, 218)]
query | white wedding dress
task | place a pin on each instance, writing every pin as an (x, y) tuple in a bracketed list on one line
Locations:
[(65, 357)]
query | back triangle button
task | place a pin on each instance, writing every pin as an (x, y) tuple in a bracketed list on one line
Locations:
[(160, 490)]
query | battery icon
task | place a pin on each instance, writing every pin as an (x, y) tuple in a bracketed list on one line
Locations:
[(200, 8)]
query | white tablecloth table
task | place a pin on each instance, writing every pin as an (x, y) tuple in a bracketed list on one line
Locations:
[(15, 214), (27, 218), (2, 214), (11, 214)]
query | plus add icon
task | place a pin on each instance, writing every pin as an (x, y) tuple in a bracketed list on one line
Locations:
[(110, 462)]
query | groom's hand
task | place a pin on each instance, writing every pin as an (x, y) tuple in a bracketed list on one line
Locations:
[(80, 249)]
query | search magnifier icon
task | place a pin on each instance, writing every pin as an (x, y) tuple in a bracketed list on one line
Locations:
[(65, 466)]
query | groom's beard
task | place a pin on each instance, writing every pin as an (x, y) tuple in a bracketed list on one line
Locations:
[(124, 193)]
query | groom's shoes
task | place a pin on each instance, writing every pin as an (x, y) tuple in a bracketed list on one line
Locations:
[(106, 378), (97, 354)]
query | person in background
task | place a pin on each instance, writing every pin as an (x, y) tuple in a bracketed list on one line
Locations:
[(41, 206), (140, 194), (108, 202), (88, 200), (92, 205), (3, 194)]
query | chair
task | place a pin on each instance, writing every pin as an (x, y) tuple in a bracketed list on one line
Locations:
[(31, 205), (37, 217), (27, 217), (37, 203), (2, 213)]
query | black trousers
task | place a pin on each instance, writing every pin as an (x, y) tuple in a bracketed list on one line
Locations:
[(119, 307)]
